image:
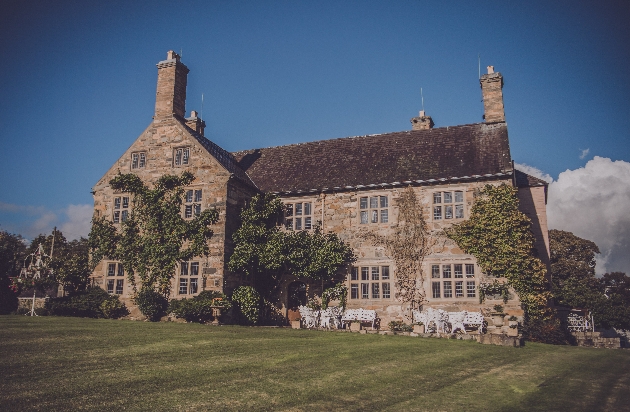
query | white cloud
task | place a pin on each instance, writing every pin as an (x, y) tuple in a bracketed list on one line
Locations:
[(30, 221), (532, 171), (592, 202), (584, 153)]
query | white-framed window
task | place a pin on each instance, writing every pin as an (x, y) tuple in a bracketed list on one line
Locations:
[(298, 216), (121, 209), (181, 156), (188, 278), (138, 160), (370, 282), (192, 203), (115, 281), (373, 209), (448, 205), (446, 288)]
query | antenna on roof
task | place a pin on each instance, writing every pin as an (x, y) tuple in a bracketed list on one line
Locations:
[(181, 53), (202, 106), (422, 98)]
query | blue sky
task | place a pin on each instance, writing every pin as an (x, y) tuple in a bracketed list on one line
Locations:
[(78, 82)]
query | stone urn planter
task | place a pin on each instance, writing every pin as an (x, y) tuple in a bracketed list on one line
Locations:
[(216, 314), (355, 326), (418, 328), (295, 324), (498, 319)]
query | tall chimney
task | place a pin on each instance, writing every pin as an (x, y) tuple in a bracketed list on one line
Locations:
[(491, 89), (422, 122), (170, 98)]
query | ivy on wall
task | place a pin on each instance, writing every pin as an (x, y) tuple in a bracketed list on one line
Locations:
[(155, 236), (498, 235)]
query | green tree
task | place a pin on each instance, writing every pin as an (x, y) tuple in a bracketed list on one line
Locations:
[(12, 252), (499, 236), (616, 310), (266, 253), (155, 236)]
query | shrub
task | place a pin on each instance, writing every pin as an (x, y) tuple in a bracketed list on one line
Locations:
[(8, 299), (113, 308), (247, 302), (547, 331), (151, 303), (399, 326), (83, 304), (192, 310), (216, 298)]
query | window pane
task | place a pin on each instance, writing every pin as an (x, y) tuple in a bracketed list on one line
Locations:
[(197, 209), (363, 203), (183, 269), (189, 196), (134, 161), (194, 268), (470, 271), (354, 275), (354, 291), (193, 285), (364, 218), (470, 290), (125, 214), (116, 203), (178, 157), (437, 197), (298, 209), (459, 197), (448, 290), (459, 211), (374, 202), (437, 212), (183, 286), (383, 201), (288, 223), (125, 204), (307, 223), (459, 289), (188, 211), (116, 217), (375, 273), (121, 270), (384, 272), (435, 287), (458, 270), (143, 160), (448, 197), (435, 271), (198, 194), (386, 291), (288, 211), (384, 216), (298, 223), (110, 286), (446, 271), (374, 216), (376, 291), (119, 286), (365, 290), (365, 273), (111, 269), (448, 212), (307, 208), (185, 156)]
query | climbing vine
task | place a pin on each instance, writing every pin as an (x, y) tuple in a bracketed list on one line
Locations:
[(499, 237), (155, 236), (339, 291), (408, 246)]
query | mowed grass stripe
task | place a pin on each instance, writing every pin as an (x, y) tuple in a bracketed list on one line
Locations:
[(54, 363)]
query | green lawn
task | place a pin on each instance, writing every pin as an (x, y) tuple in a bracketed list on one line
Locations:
[(54, 363)]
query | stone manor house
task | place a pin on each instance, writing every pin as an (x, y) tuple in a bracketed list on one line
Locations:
[(348, 186)]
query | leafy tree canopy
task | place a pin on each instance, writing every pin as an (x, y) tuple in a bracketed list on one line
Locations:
[(498, 235), (155, 236), (265, 251)]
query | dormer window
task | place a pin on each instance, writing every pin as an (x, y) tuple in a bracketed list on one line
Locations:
[(138, 160), (182, 156)]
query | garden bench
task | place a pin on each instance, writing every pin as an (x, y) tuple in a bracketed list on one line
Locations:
[(310, 317), (361, 315)]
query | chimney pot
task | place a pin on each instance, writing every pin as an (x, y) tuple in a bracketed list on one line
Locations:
[(490, 69)]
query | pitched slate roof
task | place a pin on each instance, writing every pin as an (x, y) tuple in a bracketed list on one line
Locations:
[(524, 180), (474, 150)]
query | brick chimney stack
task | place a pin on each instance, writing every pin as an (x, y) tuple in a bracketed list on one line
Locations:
[(170, 98), (195, 123), (491, 89), (422, 122)]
